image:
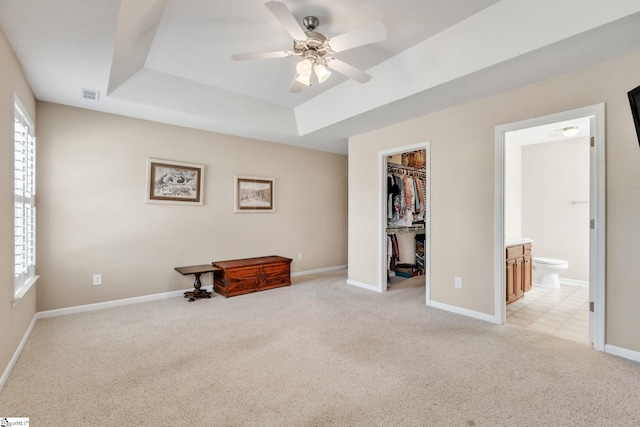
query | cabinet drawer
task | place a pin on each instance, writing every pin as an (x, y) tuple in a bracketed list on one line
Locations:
[(516, 251)]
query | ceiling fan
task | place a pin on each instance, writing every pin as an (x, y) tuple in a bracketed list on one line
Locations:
[(315, 49)]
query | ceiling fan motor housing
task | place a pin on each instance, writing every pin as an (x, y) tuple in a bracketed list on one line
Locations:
[(310, 22), (315, 41)]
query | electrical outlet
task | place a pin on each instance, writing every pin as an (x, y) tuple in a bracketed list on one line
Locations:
[(300, 255), (458, 282), (97, 279)]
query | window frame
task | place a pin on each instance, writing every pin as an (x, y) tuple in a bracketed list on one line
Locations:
[(25, 279)]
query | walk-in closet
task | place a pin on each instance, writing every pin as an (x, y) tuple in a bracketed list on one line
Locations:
[(407, 213)]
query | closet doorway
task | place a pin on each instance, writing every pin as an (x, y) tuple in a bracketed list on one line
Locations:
[(404, 215)]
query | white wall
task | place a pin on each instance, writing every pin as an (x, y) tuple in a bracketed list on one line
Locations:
[(92, 217), (462, 190), (553, 175)]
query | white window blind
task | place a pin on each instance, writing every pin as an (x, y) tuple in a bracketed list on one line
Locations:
[(24, 178)]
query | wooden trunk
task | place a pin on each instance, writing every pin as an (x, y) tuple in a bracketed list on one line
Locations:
[(242, 276)]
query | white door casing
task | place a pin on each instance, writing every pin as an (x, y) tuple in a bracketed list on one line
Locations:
[(597, 234), (382, 214)]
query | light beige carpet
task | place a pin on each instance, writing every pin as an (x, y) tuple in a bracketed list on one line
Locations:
[(317, 353)]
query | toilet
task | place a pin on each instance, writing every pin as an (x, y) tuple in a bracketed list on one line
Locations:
[(546, 270)]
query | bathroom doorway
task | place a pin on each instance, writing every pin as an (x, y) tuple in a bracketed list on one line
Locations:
[(550, 196)]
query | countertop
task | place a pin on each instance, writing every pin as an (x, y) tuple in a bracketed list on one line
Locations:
[(514, 241)]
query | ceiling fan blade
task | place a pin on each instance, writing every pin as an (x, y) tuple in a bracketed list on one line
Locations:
[(374, 32), (348, 70), (296, 86), (263, 55), (288, 21)]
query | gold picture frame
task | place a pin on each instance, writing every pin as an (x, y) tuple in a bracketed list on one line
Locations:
[(174, 182)]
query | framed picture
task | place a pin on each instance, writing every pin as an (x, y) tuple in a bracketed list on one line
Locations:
[(254, 194), (174, 182)]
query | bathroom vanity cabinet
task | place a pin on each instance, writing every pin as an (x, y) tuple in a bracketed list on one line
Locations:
[(519, 270)]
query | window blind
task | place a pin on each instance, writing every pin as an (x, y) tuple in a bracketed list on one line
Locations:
[(24, 178)]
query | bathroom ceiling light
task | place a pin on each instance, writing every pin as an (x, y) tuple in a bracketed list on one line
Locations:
[(571, 131)]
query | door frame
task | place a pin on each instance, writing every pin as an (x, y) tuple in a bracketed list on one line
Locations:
[(597, 235), (382, 214)]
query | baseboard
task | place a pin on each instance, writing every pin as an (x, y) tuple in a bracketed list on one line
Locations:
[(622, 352), (319, 270), (16, 354), (114, 303), (574, 282), (152, 297), (362, 285), (464, 311)]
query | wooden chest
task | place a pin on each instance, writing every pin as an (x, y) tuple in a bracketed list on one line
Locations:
[(242, 276)]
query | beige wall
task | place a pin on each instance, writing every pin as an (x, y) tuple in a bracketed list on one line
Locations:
[(93, 219), (462, 191), (553, 175), (14, 318)]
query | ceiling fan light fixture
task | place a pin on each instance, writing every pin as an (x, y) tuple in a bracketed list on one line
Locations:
[(571, 131), (321, 72), (304, 67), (305, 80)]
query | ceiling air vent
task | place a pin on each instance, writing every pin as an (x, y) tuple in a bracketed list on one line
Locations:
[(90, 94)]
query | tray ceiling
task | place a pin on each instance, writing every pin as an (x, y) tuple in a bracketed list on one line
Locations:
[(170, 61)]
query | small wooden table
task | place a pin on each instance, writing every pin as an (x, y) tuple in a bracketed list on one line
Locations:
[(197, 270)]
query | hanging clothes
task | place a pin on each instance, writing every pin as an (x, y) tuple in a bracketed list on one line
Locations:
[(393, 253), (393, 190), (405, 199)]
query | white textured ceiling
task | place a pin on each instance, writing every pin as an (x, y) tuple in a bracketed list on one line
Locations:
[(170, 60), (549, 133)]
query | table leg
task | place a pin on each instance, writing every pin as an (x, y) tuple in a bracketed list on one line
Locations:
[(197, 292)]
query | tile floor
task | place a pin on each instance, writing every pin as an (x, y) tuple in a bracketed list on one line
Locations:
[(561, 312)]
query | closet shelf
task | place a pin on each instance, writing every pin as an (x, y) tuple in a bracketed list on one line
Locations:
[(400, 229), (405, 170), (395, 165)]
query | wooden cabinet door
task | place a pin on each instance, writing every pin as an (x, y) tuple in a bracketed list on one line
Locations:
[(527, 272), (518, 270), (510, 276)]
